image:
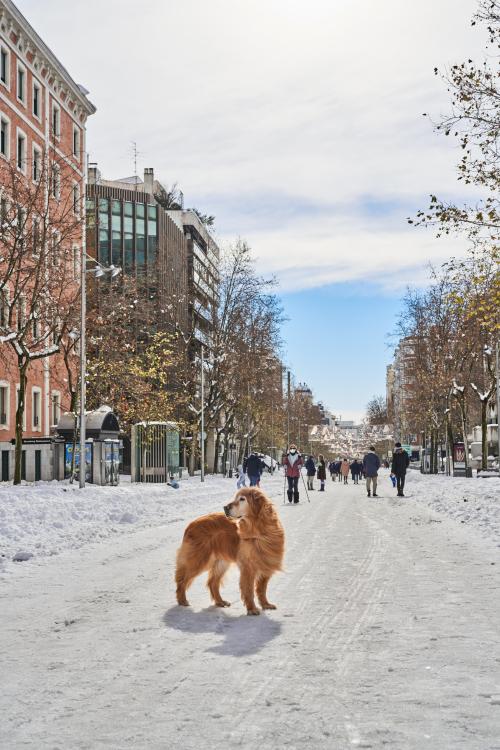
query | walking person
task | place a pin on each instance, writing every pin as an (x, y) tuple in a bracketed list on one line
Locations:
[(344, 469), (400, 462), (293, 462), (241, 477), (371, 465), (322, 472), (355, 471), (252, 466), (331, 469), (311, 472)]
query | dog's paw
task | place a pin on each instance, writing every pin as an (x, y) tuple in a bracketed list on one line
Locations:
[(268, 605), (253, 611), (222, 603)]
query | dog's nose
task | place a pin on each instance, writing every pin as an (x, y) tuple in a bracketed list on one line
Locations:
[(226, 510)]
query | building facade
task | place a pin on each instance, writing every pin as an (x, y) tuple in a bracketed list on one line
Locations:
[(43, 115), (402, 386), (127, 228)]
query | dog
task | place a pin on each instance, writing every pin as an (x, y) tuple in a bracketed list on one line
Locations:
[(248, 533)]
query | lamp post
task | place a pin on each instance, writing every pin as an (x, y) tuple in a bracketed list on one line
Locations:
[(202, 475), (498, 399), (98, 271)]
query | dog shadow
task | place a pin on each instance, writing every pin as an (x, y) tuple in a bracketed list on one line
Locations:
[(241, 636)]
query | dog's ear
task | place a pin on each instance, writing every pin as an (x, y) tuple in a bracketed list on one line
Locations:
[(257, 501)]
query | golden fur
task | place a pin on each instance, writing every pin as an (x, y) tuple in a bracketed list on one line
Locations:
[(249, 534)]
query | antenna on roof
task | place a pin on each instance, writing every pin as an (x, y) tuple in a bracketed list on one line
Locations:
[(135, 154)]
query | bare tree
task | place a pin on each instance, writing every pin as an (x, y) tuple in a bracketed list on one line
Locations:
[(40, 229)]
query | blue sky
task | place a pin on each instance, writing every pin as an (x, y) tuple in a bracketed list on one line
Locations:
[(337, 341), (299, 126)]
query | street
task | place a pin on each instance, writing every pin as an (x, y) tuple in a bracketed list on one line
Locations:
[(386, 636)]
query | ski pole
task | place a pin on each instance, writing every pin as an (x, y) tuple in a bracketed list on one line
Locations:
[(303, 480)]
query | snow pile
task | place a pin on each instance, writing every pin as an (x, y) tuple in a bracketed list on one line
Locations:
[(475, 502), (49, 517)]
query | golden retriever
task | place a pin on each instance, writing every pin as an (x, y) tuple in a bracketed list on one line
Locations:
[(248, 533)]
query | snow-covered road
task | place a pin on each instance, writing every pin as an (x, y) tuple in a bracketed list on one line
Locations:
[(386, 636)]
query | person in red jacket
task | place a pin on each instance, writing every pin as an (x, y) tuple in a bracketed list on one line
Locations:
[(292, 461)]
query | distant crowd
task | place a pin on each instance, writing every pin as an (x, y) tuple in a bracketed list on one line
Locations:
[(292, 461)]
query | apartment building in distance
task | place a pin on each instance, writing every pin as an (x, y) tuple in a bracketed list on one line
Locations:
[(43, 114), (401, 382)]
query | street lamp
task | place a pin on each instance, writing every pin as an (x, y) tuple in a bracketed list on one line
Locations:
[(98, 272)]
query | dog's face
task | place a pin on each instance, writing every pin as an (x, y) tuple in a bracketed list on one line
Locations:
[(247, 502)]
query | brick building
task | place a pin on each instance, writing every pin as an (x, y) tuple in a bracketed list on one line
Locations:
[(43, 115)]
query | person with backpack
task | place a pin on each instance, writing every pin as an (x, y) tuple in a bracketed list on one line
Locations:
[(371, 465), (311, 472), (293, 462), (400, 462), (322, 472)]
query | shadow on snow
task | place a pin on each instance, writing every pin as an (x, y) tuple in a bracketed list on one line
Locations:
[(242, 635)]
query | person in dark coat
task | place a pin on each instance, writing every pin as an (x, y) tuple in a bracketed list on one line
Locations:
[(371, 465), (292, 461), (356, 471), (252, 466), (400, 462), (311, 472), (322, 472)]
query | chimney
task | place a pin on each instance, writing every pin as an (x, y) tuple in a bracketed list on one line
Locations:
[(149, 178), (93, 175)]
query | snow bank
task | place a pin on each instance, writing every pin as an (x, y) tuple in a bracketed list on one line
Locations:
[(48, 517), (475, 502)]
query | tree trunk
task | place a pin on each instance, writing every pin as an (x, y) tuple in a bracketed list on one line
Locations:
[(484, 434), (21, 405)]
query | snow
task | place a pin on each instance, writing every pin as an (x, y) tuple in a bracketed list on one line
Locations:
[(386, 633), (48, 518)]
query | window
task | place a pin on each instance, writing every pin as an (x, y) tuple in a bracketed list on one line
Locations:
[(76, 141), (4, 404), (5, 66), (4, 137), (36, 326), (56, 407), (21, 312), (55, 182), (152, 235), (76, 199), (21, 83), (36, 413), (76, 261), (36, 163), (56, 239), (21, 151), (4, 308), (56, 120), (36, 100), (116, 233), (4, 215), (128, 235), (140, 235), (35, 237)]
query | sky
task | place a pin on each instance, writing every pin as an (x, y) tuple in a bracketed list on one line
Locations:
[(299, 126)]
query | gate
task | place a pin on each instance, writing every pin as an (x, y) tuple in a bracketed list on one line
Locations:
[(155, 451)]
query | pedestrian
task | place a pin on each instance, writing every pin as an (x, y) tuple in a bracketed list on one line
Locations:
[(322, 472), (338, 464), (344, 469), (311, 472), (331, 469), (241, 477), (371, 465), (355, 471), (400, 462), (292, 461), (252, 466), (392, 477)]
